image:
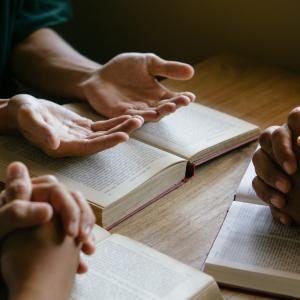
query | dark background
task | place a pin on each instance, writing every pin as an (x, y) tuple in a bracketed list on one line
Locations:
[(188, 30)]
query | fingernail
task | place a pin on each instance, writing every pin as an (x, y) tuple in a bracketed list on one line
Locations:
[(281, 185), (15, 171), (139, 117), (277, 201), (288, 167)]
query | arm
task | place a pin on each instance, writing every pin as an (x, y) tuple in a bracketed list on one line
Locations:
[(58, 69), (39, 263), (7, 123), (126, 84)]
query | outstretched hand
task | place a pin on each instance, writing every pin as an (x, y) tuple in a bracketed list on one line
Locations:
[(128, 84), (60, 132)]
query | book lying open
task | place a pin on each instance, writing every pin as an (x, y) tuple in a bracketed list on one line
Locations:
[(253, 251), (124, 269), (120, 181)]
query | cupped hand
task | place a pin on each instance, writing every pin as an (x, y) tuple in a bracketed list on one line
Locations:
[(60, 132), (128, 84)]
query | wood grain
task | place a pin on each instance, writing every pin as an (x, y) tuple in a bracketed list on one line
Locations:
[(185, 223)]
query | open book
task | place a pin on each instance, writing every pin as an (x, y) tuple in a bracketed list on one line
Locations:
[(120, 181), (124, 269), (253, 251)]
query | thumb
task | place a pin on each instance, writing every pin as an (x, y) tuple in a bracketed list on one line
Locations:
[(18, 183), (170, 69), (20, 214)]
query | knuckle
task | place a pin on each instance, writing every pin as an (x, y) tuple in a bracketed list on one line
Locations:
[(57, 187), (265, 138), (16, 211), (278, 133), (256, 158), (151, 55), (16, 188), (294, 115), (51, 179)]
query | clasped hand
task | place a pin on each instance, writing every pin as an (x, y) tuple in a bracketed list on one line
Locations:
[(277, 168), (27, 202)]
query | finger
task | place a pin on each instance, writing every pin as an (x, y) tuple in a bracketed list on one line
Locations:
[(63, 204), (156, 113), (83, 147), (128, 126), (44, 179), (170, 94), (265, 140), (165, 109), (268, 171), (22, 214), (294, 124), (280, 216), (108, 124), (87, 217), (169, 69), (282, 149), (82, 266), (268, 194), (18, 183), (40, 133), (180, 100), (88, 247)]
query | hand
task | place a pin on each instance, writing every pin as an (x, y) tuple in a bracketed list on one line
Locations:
[(127, 85), (276, 166), (61, 132), (20, 214), (39, 262), (75, 213)]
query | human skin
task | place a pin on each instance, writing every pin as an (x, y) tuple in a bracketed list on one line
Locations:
[(276, 163), (39, 262), (125, 85), (27, 202), (60, 132)]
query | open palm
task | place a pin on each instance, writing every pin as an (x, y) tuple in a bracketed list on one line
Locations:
[(61, 132), (127, 85)]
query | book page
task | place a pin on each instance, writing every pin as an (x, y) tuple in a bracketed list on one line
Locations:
[(251, 240), (100, 233), (104, 177), (127, 270), (245, 192), (192, 129)]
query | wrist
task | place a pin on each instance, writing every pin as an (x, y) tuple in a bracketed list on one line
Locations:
[(88, 82), (8, 122)]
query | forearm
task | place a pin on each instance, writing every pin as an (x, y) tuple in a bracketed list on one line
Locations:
[(45, 62), (39, 263), (7, 123)]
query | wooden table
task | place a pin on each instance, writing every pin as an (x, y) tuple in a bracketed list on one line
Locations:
[(185, 223)]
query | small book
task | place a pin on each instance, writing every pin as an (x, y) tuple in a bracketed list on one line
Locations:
[(254, 252), (124, 269), (159, 158)]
